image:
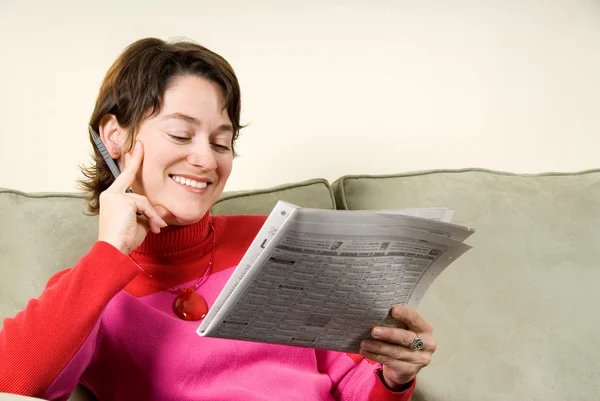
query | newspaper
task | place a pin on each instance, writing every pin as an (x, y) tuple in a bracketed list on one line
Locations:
[(324, 278)]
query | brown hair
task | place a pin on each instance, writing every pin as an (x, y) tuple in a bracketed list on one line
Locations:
[(133, 90)]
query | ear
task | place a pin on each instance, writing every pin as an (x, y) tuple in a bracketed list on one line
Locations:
[(113, 135)]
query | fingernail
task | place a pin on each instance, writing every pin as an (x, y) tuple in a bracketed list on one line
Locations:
[(377, 332)]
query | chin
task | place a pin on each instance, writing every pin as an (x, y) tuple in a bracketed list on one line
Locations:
[(181, 219), (181, 212)]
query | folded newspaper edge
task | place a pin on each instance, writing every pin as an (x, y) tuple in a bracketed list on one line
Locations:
[(323, 278)]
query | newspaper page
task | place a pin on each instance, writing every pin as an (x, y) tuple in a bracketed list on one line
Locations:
[(323, 279), (431, 213), (398, 218)]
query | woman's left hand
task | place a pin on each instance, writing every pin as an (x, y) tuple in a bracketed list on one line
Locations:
[(391, 347)]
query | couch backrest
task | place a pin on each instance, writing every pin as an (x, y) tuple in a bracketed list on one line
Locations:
[(516, 317)]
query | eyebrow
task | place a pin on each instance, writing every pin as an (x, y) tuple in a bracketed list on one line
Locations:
[(195, 121)]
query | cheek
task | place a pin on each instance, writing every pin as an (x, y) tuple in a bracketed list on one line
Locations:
[(224, 167), (152, 169)]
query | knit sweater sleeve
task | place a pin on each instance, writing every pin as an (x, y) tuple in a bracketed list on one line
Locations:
[(38, 346), (355, 378)]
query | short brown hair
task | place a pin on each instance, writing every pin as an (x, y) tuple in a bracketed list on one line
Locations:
[(133, 91)]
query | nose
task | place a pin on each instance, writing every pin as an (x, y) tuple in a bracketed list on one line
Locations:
[(201, 155)]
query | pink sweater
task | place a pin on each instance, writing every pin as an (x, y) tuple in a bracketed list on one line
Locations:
[(110, 327)]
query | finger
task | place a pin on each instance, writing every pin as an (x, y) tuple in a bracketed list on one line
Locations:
[(403, 337), (407, 368), (163, 212), (413, 321), (395, 352), (143, 205), (133, 162), (401, 367), (375, 357)]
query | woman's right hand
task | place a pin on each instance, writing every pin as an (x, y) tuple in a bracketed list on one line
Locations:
[(119, 225)]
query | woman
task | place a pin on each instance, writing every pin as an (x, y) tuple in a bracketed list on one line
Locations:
[(117, 322)]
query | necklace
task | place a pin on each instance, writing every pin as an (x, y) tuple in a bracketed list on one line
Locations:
[(188, 304)]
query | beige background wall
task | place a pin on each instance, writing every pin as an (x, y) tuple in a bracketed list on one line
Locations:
[(329, 87)]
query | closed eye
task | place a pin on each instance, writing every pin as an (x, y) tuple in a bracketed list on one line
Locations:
[(179, 138), (221, 148)]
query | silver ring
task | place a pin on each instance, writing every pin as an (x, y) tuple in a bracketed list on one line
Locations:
[(417, 344)]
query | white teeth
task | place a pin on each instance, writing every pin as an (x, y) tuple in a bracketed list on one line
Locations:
[(188, 182)]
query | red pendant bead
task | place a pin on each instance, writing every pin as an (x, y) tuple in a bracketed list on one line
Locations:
[(189, 305)]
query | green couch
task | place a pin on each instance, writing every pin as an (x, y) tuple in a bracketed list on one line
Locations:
[(513, 318)]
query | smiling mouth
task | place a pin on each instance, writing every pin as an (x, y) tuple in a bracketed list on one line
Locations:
[(189, 182)]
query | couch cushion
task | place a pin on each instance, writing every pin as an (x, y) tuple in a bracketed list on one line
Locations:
[(44, 233), (40, 234), (516, 317), (315, 193)]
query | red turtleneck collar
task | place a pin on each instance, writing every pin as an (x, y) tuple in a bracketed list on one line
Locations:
[(176, 255), (176, 239)]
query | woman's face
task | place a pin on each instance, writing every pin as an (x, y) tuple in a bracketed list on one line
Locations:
[(187, 151)]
